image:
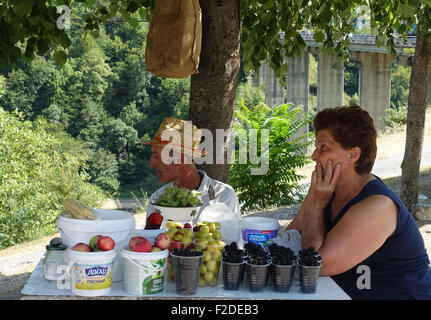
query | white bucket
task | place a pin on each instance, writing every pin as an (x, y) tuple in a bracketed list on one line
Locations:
[(144, 271), (259, 230), (150, 234), (90, 272), (119, 225)]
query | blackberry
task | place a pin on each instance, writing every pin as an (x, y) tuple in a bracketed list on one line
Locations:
[(281, 255), (187, 252), (309, 257), (232, 253), (256, 254)]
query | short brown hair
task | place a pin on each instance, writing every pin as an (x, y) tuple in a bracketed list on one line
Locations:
[(351, 127)]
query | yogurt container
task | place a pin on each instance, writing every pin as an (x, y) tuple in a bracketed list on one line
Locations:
[(259, 230), (90, 272)]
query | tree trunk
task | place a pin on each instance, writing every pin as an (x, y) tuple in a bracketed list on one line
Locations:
[(415, 122), (212, 92)]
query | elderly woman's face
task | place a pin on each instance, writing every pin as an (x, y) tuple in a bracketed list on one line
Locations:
[(328, 149)]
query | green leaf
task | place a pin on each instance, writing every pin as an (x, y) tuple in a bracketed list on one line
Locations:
[(23, 7), (133, 22), (325, 16), (132, 7), (43, 45), (60, 58), (65, 41), (95, 34), (319, 36), (406, 10), (90, 2)]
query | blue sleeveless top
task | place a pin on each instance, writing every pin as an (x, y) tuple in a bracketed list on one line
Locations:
[(399, 269)]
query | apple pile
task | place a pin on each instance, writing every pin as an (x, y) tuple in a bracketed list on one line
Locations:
[(142, 244), (97, 244)]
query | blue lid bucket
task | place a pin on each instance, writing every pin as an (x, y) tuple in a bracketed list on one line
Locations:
[(259, 230)]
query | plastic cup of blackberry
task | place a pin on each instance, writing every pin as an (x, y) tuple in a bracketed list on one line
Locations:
[(257, 266), (233, 266), (186, 264), (309, 265), (282, 267)]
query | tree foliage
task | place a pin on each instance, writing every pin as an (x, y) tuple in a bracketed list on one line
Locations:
[(287, 151), (271, 29), (35, 176)]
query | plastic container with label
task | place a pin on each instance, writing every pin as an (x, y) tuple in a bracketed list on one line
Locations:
[(90, 272), (259, 230), (144, 271)]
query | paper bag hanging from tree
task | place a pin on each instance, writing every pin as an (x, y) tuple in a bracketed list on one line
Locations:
[(174, 39)]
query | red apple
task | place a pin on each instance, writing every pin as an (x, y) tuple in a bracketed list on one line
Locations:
[(81, 247), (162, 241), (187, 226), (106, 243), (143, 246), (93, 242), (134, 241)]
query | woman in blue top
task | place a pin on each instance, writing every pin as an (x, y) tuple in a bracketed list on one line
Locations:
[(369, 242)]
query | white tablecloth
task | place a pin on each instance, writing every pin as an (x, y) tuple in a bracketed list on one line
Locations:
[(327, 289)]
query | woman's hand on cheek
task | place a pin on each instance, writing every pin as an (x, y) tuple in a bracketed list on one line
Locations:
[(322, 186)]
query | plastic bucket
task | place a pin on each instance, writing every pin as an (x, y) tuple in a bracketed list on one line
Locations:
[(259, 230), (119, 225), (90, 272), (144, 271)]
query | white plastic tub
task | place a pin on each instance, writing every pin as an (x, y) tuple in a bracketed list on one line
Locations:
[(90, 272), (144, 271), (259, 230), (119, 225)]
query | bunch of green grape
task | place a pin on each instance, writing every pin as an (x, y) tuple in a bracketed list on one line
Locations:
[(178, 197)]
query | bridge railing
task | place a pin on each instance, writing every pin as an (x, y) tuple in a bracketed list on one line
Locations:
[(408, 42)]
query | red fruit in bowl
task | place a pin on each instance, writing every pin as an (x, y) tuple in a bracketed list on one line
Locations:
[(106, 243), (162, 241), (187, 226), (133, 241), (81, 247), (143, 246)]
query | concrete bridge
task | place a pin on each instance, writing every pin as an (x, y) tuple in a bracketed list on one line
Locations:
[(374, 76)]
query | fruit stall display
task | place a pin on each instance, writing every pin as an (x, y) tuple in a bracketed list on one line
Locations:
[(205, 238)]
